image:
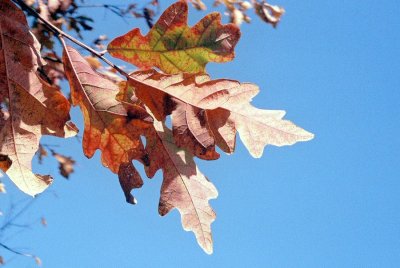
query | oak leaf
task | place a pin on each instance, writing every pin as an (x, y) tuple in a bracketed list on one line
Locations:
[(108, 124), (257, 127), (216, 110), (30, 107), (186, 96), (184, 187), (174, 47)]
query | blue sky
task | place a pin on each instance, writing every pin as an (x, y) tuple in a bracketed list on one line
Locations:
[(331, 202)]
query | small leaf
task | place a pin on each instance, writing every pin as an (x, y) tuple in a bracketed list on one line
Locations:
[(269, 13), (174, 47), (66, 164), (38, 261), (41, 153), (129, 178), (2, 188), (43, 221)]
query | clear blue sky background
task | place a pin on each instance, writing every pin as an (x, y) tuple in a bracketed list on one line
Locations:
[(332, 202)]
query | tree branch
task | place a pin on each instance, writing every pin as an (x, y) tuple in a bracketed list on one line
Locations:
[(60, 34), (16, 251)]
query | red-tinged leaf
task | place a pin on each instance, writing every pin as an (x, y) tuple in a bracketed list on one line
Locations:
[(188, 96), (109, 126), (184, 187), (130, 179), (30, 107), (227, 109), (191, 131), (174, 47)]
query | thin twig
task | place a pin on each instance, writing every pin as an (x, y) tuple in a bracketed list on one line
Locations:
[(59, 33), (16, 251), (11, 219)]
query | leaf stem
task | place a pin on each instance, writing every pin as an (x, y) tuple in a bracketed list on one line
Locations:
[(61, 34)]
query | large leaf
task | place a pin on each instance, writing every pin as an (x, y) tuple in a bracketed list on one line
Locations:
[(187, 97), (109, 125), (30, 107), (184, 187), (257, 127), (174, 47), (212, 111)]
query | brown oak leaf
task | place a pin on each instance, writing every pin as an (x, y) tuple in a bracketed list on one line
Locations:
[(212, 111), (30, 107), (187, 97), (184, 187)]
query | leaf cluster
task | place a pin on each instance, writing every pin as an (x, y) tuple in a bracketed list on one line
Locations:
[(171, 81)]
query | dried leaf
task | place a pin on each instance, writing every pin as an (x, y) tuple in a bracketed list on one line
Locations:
[(93, 62), (30, 107), (63, 5), (43, 221), (38, 261), (53, 70), (198, 4), (257, 127), (66, 164), (269, 13), (189, 96), (129, 178), (174, 47), (227, 108), (184, 187), (109, 126), (237, 17), (41, 153), (2, 188)]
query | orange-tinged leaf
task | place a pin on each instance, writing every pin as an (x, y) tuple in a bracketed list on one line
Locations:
[(184, 187), (174, 47), (30, 107), (109, 126)]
